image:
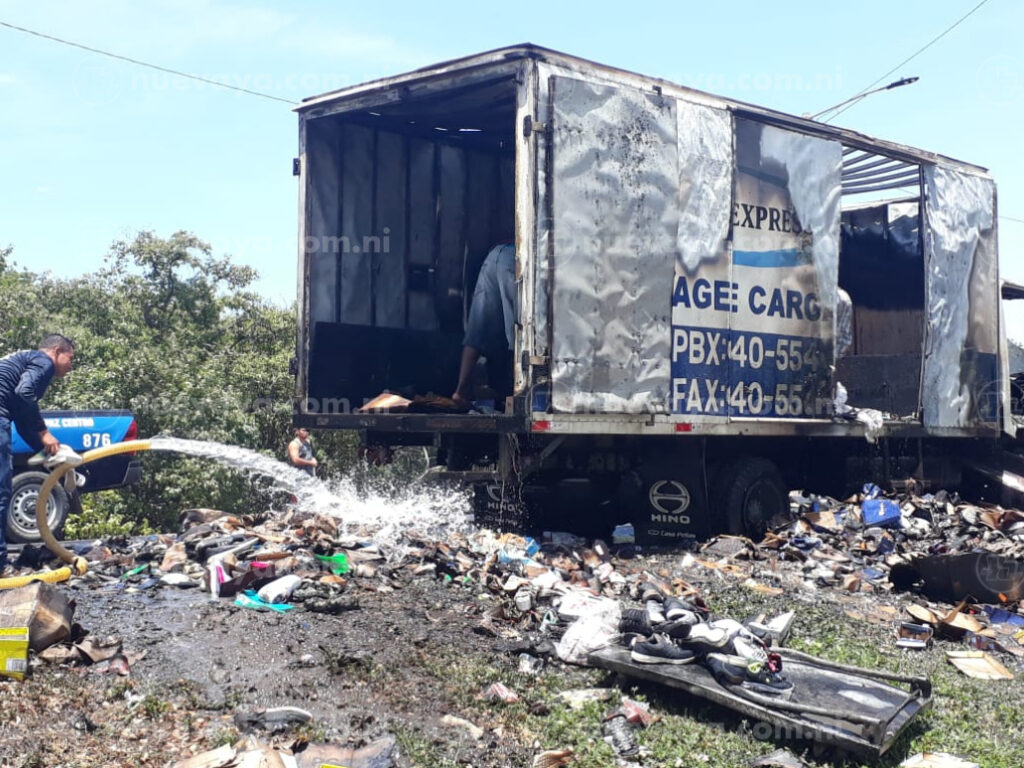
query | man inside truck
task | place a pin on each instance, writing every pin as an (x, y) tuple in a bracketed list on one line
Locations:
[(490, 327)]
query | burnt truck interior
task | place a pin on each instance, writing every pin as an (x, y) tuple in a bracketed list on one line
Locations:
[(882, 270), (406, 199)]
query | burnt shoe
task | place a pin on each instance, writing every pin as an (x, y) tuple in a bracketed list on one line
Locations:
[(655, 614), (702, 638), (751, 676), (735, 629), (635, 621), (660, 650), (748, 650), (680, 610), (677, 630), (651, 591)]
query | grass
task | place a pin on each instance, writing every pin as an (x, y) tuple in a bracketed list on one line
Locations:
[(420, 751), (154, 706), (223, 737), (979, 720)]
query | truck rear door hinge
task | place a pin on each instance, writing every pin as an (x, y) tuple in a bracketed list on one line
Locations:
[(296, 166), (532, 126)]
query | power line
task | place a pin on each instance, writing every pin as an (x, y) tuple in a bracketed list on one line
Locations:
[(143, 63), (912, 56)]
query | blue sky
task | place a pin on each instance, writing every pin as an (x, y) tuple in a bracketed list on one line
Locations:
[(95, 150)]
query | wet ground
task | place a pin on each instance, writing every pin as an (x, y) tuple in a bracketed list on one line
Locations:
[(408, 655), (375, 670)]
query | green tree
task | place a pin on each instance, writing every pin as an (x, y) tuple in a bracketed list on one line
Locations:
[(177, 335)]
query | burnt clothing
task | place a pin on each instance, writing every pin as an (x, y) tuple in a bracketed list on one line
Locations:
[(24, 377)]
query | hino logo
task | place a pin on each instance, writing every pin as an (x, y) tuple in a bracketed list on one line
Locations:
[(672, 519), (670, 497)]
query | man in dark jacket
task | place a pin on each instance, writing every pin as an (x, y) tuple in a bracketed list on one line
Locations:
[(24, 377)]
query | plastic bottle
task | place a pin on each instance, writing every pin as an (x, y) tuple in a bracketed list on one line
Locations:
[(279, 590), (216, 576)]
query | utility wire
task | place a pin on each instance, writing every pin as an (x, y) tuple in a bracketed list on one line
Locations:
[(914, 55), (143, 63)]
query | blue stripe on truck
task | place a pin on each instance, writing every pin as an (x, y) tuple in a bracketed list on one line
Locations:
[(788, 257)]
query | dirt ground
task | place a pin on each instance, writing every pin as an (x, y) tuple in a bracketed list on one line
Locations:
[(408, 652), (368, 672)]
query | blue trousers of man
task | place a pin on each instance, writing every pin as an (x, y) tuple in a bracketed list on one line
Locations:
[(6, 472)]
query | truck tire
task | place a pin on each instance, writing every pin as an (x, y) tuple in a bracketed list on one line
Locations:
[(21, 518), (751, 495)]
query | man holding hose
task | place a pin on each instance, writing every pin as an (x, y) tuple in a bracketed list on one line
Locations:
[(24, 377)]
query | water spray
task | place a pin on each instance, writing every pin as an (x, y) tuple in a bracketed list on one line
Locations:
[(390, 515)]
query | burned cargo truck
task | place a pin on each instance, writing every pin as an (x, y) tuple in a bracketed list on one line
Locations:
[(716, 302)]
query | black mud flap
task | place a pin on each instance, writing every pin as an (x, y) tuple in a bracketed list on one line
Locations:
[(501, 506), (665, 501)]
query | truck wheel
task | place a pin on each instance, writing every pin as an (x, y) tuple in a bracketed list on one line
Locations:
[(752, 497), (21, 518)]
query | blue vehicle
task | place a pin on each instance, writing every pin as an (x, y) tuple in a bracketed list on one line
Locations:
[(82, 431)]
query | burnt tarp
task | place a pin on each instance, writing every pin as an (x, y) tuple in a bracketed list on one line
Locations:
[(615, 206), (960, 380), (794, 273), (703, 265), (753, 327), (705, 185)]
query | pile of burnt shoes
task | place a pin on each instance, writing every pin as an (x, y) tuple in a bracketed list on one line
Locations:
[(675, 630)]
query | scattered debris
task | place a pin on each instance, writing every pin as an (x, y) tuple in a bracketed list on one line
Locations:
[(621, 735), (222, 757), (43, 608), (499, 692), (979, 665), (914, 636), (461, 724), (14, 652), (554, 598), (553, 758), (274, 719), (780, 758), (577, 699), (937, 760), (379, 753)]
